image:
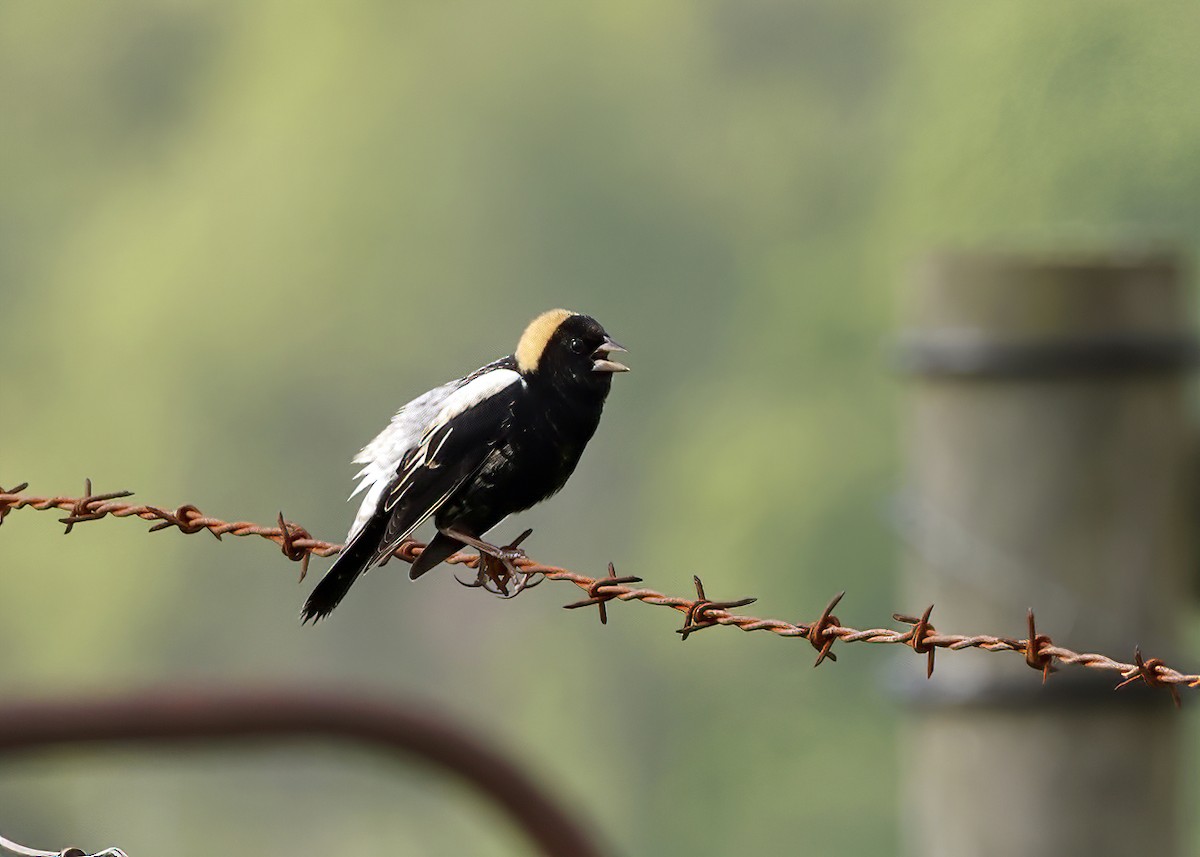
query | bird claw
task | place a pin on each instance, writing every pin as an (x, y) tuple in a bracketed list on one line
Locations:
[(501, 578), (498, 570), (474, 584)]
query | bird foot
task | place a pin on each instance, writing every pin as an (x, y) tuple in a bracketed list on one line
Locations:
[(498, 570), (502, 573)]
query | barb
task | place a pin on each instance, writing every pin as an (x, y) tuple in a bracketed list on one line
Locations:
[(9, 845), (699, 615), (1039, 651), (599, 592), (816, 632)]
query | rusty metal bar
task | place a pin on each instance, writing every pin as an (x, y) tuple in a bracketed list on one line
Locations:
[(204, 716)]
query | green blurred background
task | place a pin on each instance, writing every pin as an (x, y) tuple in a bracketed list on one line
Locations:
[(234, 237)]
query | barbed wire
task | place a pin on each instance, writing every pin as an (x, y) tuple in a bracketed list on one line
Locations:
[(298, 545)]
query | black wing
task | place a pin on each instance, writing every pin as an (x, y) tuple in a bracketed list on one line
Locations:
[(449, 454), (451, 451)]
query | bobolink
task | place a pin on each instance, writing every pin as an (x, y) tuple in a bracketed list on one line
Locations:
[(473, 451)]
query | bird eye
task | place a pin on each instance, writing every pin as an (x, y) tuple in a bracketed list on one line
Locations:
[(576, 345)]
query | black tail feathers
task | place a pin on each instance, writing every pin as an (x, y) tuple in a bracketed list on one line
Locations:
[(441, 548), (333, 587)]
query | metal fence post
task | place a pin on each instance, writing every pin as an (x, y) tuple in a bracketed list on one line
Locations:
[(1049, 457)]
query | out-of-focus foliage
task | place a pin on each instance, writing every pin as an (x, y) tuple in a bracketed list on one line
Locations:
[(235, 236)]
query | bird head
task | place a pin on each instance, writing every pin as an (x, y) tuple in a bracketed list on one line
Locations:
[(568, 349)]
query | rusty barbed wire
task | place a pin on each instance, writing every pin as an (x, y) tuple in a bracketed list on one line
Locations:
[(298, 545)]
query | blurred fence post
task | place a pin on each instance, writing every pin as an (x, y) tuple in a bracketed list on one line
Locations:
[(1049, 458)]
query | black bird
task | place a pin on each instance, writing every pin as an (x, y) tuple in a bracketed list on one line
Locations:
[(473, 451)]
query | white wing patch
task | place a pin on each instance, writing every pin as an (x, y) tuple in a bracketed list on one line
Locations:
[(475, 391), (381, 456), (412, 429)]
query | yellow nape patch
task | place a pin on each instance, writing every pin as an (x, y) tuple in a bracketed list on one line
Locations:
[(534, 339)]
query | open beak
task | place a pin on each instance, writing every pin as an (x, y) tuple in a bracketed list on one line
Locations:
[(600, 361)]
